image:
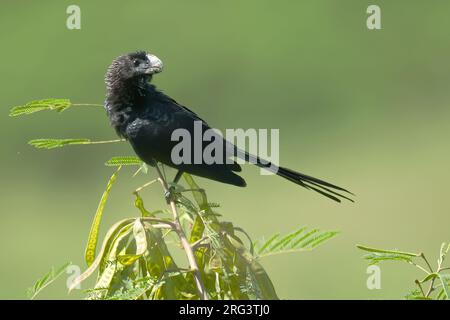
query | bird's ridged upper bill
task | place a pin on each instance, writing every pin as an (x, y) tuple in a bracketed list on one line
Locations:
[(156, 64)]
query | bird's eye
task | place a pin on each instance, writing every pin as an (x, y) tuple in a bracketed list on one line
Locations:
[(136, 63)]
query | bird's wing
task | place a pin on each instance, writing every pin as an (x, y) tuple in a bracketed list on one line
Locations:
[(185, 118), (189, 111)]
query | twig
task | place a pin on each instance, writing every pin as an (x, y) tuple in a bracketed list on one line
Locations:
[(145, 185), (104, 141), (439, 269), (426, 261), (198, 243), (419, 266), (86, 105), (154, 222), (420, 287), (184, 242)]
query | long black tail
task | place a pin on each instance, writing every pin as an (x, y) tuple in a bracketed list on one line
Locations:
[(326, 189)]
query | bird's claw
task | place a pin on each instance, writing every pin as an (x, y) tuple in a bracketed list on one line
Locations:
[(170, 195)]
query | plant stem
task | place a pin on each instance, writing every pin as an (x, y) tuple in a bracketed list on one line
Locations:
[(87, 105), (431, 288), (426, 261), (439, 269), (419, 266), (420, 287), (184, 242), (145, 185), (104, 141)]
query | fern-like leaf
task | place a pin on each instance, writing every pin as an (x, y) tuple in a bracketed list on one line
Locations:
[(375, 256), (56, 143), (47, 279), (58, 105), (123, 161), (299, 240)]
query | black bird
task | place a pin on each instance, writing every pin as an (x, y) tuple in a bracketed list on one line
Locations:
[(146, 117)]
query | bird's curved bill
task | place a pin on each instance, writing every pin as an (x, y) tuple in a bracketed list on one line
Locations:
[(156, 65)]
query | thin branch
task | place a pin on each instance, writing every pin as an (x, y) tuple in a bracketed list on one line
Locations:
[(419, 266), (145, 186), (198, 243), (184, 242), (162, 226), (431, 288), (86, 105), (420, 287), (157, 220), (426, 261), (104, 141), (137, 171)]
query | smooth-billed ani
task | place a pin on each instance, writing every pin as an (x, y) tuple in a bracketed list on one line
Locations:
[(146, 117)]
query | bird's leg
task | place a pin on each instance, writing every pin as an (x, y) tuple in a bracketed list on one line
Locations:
[(170, 194), (177, 177)]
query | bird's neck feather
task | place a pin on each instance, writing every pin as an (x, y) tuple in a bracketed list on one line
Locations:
[(125, 93)]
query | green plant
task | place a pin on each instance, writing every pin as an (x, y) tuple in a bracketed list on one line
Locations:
[(136, 259), (435, 283)]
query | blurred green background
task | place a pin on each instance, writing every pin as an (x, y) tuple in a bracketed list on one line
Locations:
[(368, 110)]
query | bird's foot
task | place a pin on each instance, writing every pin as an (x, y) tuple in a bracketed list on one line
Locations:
[(171, 195)]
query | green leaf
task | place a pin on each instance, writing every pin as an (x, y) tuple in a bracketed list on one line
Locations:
[(107, 243), (375, 258), (128, 259), (316, 241), (134, 289), (445, 279), (91, 246), (262, 280), (56, 143), (443, 252), (429, 277), (159, 261), (284, 241), (124, 161), (58, 105), (377, 255), (304, 238), (394, 252), (441, 295), (139, 203), (199, 194), (416, 295), (268, 242), (140, 237), (47, 279), (108, 273), (299, 240)]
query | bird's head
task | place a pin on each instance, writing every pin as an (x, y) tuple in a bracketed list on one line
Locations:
[(138, 66)]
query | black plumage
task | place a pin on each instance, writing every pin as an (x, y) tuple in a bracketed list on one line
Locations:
[(146, 117)]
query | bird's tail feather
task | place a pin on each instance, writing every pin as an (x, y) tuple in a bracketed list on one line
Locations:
[(326, 189)]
